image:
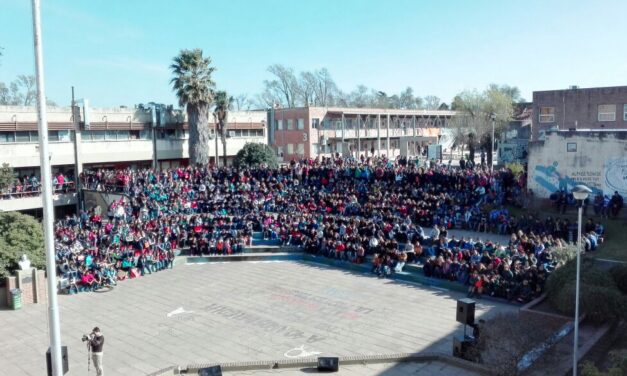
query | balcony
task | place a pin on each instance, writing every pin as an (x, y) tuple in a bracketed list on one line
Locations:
[(32, 199)]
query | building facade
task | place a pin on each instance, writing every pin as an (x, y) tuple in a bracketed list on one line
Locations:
[(564, 159), (310, 132), (110, 138), (603, 108)]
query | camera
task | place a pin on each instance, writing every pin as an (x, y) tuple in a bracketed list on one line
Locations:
[(86, 337)]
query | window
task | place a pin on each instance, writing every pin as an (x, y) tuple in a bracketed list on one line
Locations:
[(315, 148), (607, 112), (301, 124), (53, 135), (279, 151), (145, 134), (97, 135), (22, 137), (327, 124), (547, 114), (123, 135), (315, 122), (34, 136), (279, 125), (625, 112), (300, 149), (290, 149), (7, 137), (571, 147), (111, 135), (290, 124)]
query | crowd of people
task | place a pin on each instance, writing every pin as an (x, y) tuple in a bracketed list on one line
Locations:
[(370, 209), (29, 185)]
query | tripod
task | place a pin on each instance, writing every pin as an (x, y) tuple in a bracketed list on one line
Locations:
[(88, 356)]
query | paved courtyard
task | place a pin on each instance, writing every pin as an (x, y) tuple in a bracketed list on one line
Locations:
[(239, 311)]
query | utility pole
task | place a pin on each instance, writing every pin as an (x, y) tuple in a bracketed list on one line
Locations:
[(46, 188)]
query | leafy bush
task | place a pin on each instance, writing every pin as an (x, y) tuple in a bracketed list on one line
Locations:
[(20, 234), (618, 368), (600, 299), (516, 168), (619, 274), (564, 254), (253, 154)]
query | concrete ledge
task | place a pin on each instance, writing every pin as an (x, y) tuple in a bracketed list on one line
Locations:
[(344, 360)]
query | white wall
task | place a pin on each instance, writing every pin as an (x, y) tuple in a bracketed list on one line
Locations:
[(62, 153), (36, 202), (600, 162)]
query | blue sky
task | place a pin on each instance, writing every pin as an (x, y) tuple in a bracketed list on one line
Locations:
[(117, 52)]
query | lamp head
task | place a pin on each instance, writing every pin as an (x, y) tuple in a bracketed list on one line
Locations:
[(581, 192)]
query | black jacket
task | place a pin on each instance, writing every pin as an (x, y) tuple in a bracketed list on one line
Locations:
[(97, 344)]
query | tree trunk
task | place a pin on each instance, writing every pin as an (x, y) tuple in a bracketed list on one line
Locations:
[(223, 137), (198, 145), (471, 148), (489, 147)]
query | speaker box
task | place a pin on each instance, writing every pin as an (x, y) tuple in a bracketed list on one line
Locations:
[(466, 311), (64, 360), (328, 364), (460, 348), (210, 371)]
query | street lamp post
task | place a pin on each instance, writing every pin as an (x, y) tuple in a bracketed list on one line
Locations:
[(580, 192), (493, 118)]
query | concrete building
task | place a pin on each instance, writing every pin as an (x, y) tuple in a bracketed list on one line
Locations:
[(602, 108), (108, 137), (564, 159), (309, 132)]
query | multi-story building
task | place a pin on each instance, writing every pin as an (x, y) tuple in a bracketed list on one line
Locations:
[(602, 108), (322, 131), (113, 137)]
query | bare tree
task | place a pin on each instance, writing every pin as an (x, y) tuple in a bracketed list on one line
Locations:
[(284, 86), (243, 103), (325, 89), (432, 102), (306, 88)]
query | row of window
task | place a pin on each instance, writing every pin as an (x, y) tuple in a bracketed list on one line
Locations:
[(289, 124), (289, 150), (605, 112), (33, 136), (114, 135), (350, 123)]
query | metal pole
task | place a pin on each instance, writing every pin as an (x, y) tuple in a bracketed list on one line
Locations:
[(387, 145), (215, 133), (46, 188), (492, 150), (77, 171), (576, 333), (379, 135)]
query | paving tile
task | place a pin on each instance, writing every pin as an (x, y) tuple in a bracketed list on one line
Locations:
[(242, 311)]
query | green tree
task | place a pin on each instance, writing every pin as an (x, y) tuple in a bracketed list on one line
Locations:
[(223, 103), (618, 367), (254, 155), (7, 176), (194, 85), (476, 111), (20, 234)]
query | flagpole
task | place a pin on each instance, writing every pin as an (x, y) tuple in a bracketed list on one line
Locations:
[(46, 189)]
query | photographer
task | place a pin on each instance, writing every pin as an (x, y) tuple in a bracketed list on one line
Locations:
[(96, 343)]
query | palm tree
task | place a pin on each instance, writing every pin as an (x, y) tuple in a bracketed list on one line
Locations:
[(223, 103), (193, 85)]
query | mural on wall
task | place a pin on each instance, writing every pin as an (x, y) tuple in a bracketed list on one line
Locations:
[(613, 178), (552, 180), (616, 175)]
